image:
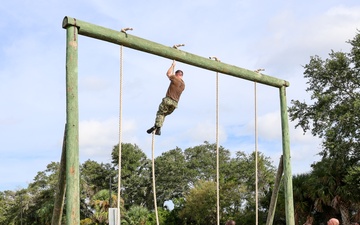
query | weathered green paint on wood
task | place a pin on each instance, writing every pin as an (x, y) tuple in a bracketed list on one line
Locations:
[(121, 38), (275, 192), (60, 193), (72, 129), (289, 204)]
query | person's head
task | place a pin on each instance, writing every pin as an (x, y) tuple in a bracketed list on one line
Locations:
[(333, 221), (179, 73), (230, 222)]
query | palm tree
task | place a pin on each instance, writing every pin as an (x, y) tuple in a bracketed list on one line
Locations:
[(328, 189), (136, 215), (302, 201)]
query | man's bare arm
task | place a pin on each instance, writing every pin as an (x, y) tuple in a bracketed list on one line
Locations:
[(171, 69)]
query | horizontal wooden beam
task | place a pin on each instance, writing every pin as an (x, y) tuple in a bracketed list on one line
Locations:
[(130, 41)]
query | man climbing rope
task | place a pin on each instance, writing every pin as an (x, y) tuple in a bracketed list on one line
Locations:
[(170, 102)]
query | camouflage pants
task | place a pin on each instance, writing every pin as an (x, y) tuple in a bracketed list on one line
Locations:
[(166, 107)]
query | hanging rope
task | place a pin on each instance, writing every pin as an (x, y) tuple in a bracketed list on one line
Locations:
[(120, 131), (217, 150), (120, 136), (153, 176), (217, 147), (256, 160), (256, 153)]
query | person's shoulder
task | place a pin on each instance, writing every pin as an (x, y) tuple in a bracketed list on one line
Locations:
[(172, 77)]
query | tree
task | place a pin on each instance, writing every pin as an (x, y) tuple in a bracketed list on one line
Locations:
[(178, 176), (241, 179), (333, 115), (164, 215), (3, 203), (325, 188), (11, 207), (237, 184), (303, 204), (100, 202), (200, 208), (201, 162), (136, 215), (41, 195), (171, 175), (95, 176), (353, 180), (135, 175)]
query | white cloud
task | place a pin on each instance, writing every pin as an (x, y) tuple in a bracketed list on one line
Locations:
[(205, 131), (97, 138), (94, 83)]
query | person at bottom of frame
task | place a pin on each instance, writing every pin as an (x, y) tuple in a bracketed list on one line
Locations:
[(170, 102), (333, 221), (230, 222)]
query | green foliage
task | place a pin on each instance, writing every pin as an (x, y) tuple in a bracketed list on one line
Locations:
[(10, 212), (352, 179), (39, 197), (100, 204), (201, 162), (136, 215), (237, 190), (246, 164), (200, 205), (95, 176), (86, 221), (135, 175), (171, 175), (164, 216), (2, 209), (302, 197), (177, 172), (333, 115), (172, 217)]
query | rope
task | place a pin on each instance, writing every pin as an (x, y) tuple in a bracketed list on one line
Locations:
[(217, 150), (120, 131), (256, 160), (217, 147), (153, 175), (120, 136), (256, 154)]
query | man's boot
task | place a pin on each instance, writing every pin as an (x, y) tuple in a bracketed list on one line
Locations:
[(151, 130), (158, 131)]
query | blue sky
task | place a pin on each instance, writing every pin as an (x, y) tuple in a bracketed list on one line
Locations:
[(279, 36)]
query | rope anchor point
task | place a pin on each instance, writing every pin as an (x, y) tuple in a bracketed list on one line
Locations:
[(126, 29), (215, 58), (259, 70), (178, 45)]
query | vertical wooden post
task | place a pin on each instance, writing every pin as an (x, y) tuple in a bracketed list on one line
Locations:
[(72, 128), (275, 192), (289, 202), (60, 193)]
